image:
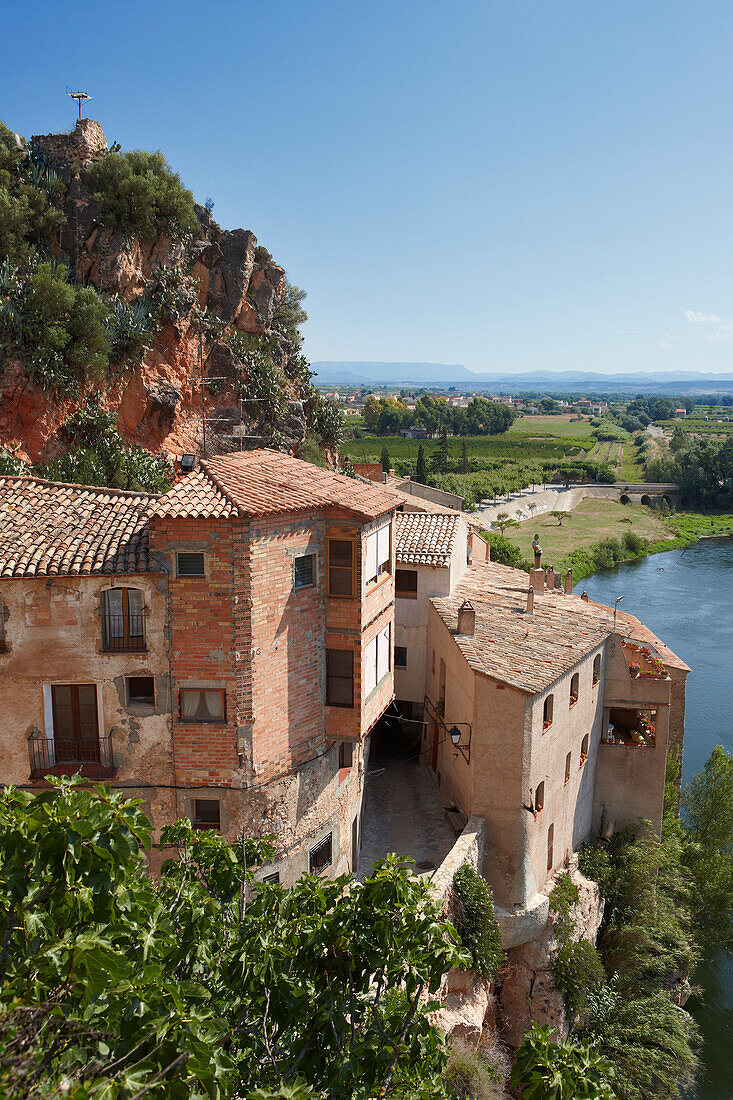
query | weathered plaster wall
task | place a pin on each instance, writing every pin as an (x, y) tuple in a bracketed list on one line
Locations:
[(54, 636)]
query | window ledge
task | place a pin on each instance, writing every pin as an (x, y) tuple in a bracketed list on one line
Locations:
[(406, 595), (573, 701), (546, 726)]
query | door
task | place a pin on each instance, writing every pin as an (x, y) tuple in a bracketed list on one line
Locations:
[(75, 723), (436, 742)]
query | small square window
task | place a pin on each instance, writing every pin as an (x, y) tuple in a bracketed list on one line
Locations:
[(305, 570), (400, 656), (202, 705), (406, 584), (206, 813), (274, 877), (346, 755), (140, 691), (190, 565), (321, 856)]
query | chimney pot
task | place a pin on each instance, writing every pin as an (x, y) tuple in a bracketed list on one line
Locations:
[(569, 582), (530, 600), (466, 619), (550, 578)]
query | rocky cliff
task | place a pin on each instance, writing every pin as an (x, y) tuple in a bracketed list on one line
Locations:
[(208, 302)]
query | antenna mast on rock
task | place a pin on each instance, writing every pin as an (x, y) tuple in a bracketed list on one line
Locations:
[(79, 97)]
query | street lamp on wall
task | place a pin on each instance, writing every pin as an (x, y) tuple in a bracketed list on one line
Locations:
[(617, 601)]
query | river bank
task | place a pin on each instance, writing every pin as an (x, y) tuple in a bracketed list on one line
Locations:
[(683, 596)]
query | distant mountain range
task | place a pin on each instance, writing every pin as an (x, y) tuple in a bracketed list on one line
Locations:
[(442, 375)]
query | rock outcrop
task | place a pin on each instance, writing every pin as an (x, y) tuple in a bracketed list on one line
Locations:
[(527, 992), (224, 284)]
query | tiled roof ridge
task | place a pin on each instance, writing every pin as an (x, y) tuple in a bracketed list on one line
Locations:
[(219, 485), (104, 489)]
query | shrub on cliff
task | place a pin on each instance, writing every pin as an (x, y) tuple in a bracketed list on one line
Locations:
[(59, 330), (477, 926), (98, 455), (9, 464), (504, 551), (27, 214), (139, 194)]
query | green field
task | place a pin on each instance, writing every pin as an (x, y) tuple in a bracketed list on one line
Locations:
[(594, 519), (562, 426)]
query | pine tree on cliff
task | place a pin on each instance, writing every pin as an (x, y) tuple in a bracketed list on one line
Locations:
[(439, 457), (421, 469), (384, 459)]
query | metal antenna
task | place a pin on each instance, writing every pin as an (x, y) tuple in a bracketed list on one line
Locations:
[(79, 97)]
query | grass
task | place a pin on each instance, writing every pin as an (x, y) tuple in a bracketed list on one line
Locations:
[(564, 425), (594, 519), (631, 468)]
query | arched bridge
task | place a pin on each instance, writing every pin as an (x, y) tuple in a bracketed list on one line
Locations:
[(636, 492)]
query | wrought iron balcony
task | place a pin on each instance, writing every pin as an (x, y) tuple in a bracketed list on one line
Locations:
[(123, 633), (61, 756)]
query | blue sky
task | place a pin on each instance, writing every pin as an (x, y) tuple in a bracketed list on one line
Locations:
[(511, 186)]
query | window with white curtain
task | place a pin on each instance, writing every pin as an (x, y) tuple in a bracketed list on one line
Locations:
[(378, 558), (202, 705), (377, 659)]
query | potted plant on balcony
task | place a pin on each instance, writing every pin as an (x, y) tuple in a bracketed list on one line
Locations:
[(634, 669)]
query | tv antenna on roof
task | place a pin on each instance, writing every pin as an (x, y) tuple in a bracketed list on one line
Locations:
[(79, 97)]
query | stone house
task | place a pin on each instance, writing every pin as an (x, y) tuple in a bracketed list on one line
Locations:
[(221, 652), (536, 719)]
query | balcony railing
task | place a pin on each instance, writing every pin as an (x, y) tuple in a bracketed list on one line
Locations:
[(60, 756), (123, 633)]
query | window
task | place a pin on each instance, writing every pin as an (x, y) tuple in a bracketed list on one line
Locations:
[(320, 856), (206, 813), (568, 760), (378, 557), (140, 691), (75, 723), (574, 689), (400, 656), (539, 798), (547, 712), (123, 621), (406, 584), (274, 877), (584, 750), (596, 668), (202, 705), (305, 571), (190, 565), (339, 677), (346, 759), (377, 660), (340, 567), (550, 847)]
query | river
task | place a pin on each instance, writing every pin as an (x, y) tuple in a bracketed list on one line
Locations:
[(686, 598)]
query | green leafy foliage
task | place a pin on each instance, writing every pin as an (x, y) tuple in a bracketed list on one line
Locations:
[(28, 216), (707, 814), (139, 194), (11, 464), (289, 315), (594, 862), (576, 965), (129, 330), (505, 551), (562, 1070), (98, 455), (477, 926), (476, 1076), (59, 330), (203, 983)]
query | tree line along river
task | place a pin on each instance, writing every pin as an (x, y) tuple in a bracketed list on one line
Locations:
[(686, 598)]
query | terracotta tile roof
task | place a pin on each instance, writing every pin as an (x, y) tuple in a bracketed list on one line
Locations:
[(412, 503), (52, 529), (424, 539), (264, 482), (531, 652)]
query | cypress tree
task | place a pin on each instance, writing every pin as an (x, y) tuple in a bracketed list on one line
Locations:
[(421, 470), (384, 459)]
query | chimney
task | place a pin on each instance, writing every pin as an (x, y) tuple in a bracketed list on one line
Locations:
[(466, 619), (530, 600), (569, 582), (550, 578)]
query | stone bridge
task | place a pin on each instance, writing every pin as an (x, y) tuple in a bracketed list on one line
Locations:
[(635, 492)]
